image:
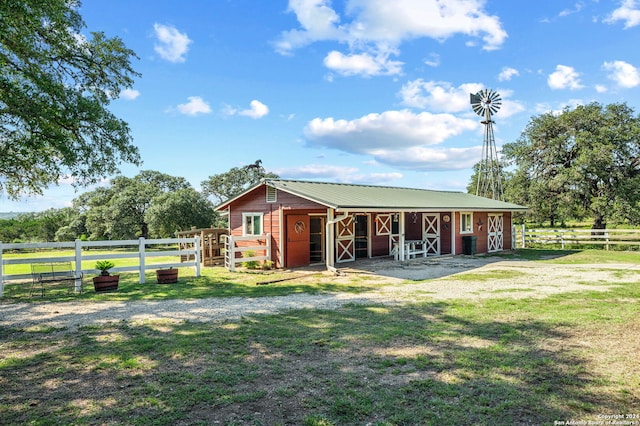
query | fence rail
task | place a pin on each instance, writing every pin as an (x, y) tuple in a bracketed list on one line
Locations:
[(232, 247), (141, 254), (576, 237)]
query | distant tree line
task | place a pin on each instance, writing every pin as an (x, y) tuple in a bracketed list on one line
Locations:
[(150, 205)]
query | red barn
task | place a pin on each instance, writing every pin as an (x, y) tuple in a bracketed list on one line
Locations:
[(330, 223)]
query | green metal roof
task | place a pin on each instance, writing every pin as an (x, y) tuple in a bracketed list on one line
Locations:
[(369, 197)]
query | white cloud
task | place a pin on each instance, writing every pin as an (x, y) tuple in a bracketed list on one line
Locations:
[(129, 94), (374, 29), (624, 74), (438, 95), (443, 97), (336, 174), (576, 8), (601, 88), (256, 110), (172, 44), (318, 21), (393, 137), (433, 60), (507, 74), (629, 12), (315, 171), (426, 158), (363, 64), (564, 77), (195, 106)]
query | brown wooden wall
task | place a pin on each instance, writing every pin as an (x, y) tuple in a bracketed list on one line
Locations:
[(481, 232), (256, 202)]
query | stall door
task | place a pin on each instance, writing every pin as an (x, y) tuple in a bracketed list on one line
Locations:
[(431, 233), (345, 240), (495, 233), (297, 240)]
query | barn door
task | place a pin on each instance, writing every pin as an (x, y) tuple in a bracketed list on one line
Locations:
[(345, 240), (495, 233), (431, 233), (297, 240)]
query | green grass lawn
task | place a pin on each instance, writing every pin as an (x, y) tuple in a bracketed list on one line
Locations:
[(498, 361)]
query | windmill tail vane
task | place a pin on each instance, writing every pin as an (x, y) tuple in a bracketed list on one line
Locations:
[(485, 103)]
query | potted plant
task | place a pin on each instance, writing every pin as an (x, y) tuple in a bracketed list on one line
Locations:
[(167, 276), (105, 281)]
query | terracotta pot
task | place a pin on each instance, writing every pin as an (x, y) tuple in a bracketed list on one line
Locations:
[(104, 283), (167, 276)]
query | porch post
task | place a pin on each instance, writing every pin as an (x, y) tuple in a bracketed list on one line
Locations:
[(401, 237), (330, 240), (453, 233)]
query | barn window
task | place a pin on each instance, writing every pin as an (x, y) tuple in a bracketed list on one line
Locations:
[(466, 222), (272, 194), (252, 224)]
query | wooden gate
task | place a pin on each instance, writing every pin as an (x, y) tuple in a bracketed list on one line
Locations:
[(431, 233), (495, 231), (345, 240)]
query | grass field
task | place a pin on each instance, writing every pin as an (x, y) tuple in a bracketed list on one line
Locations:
[(499, 361)]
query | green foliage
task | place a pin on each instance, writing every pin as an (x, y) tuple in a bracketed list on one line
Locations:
[(227, 185), (250, 264), (179, 211), (581, 163), (55, 88), (151, 204), (104, 265)]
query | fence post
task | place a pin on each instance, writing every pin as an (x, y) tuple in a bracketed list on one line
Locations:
[(1, 272), (562, 239), (606, 234), (524, 241), (198, 248), (78, 283), (141, 248), (231, 253)]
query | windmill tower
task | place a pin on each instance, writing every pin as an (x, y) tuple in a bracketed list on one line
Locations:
[(485, 103)]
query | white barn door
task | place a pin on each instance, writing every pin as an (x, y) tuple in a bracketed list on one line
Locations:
[(345, 240), (431, 233), (495, 233)]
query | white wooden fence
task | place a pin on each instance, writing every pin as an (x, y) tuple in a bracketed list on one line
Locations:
[(141, 254), (231, 248), (576, 237)]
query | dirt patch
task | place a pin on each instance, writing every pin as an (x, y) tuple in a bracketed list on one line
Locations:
[(383, 282)]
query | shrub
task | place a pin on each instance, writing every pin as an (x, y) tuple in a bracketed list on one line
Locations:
[(250, 264)]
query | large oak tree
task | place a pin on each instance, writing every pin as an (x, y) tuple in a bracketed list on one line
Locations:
[(56, 84), (583, 162)]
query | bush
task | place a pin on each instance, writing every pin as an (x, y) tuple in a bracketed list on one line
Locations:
[(250, 264)]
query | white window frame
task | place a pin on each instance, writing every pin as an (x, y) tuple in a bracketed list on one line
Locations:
[(253, 216), (468, 229)]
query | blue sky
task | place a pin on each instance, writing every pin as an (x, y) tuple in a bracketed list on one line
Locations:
[(359, 91)]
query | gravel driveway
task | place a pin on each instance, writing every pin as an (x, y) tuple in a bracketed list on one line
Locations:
[(399, 282)]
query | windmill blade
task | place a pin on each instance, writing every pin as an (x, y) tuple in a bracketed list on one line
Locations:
[(476, 103), (494, 101)]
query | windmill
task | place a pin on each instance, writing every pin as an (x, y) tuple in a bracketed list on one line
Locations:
[(485, 103)]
